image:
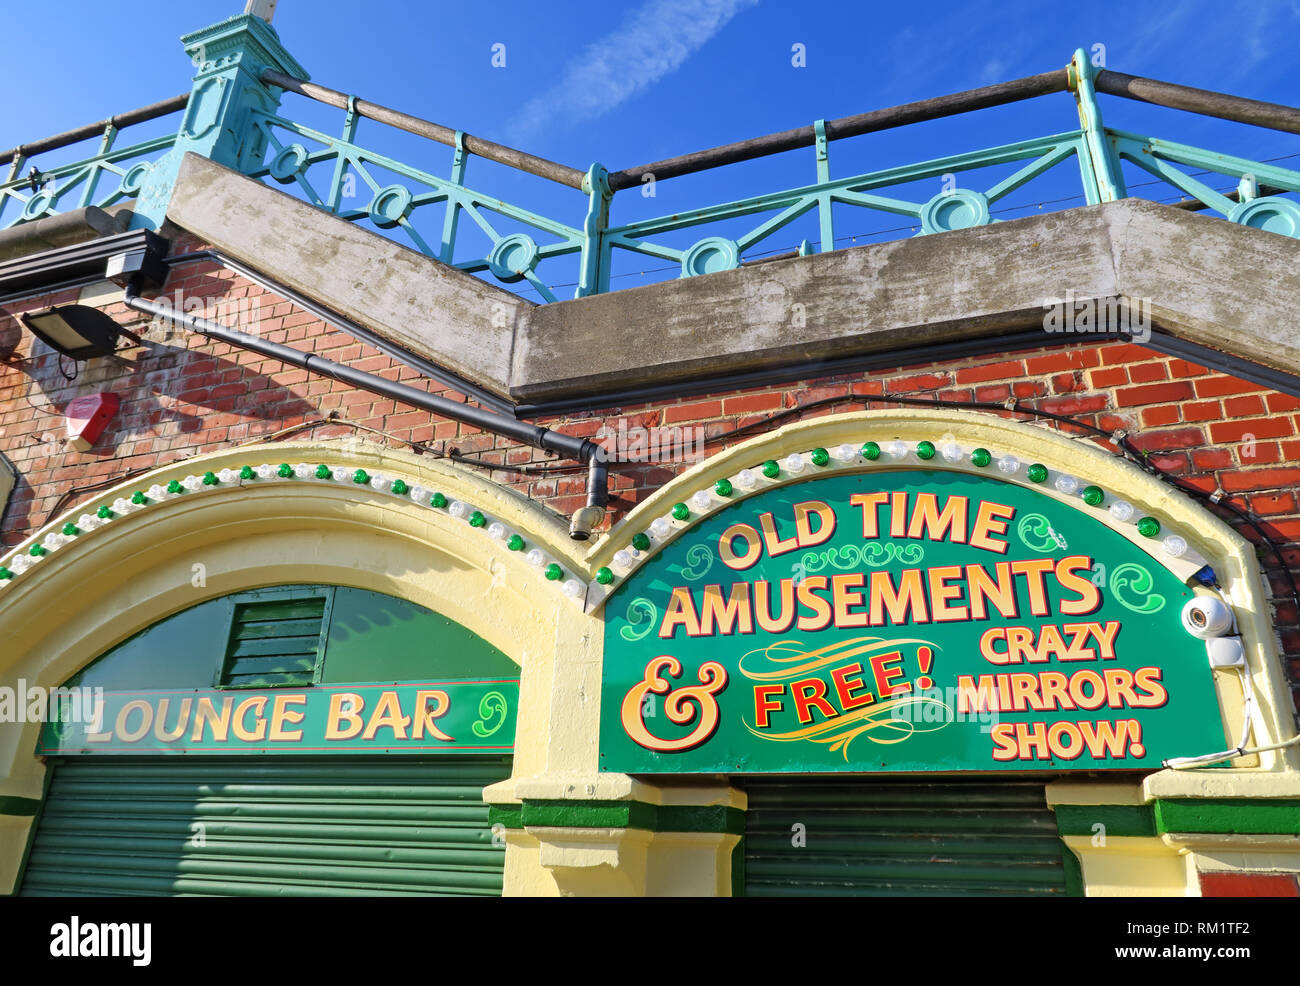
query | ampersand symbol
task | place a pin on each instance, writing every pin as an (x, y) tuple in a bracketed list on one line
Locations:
[(713, 678)]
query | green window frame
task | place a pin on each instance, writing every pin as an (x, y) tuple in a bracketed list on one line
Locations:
[(277, 638)]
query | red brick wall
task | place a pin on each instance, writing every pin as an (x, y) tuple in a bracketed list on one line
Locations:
[(186, 396)]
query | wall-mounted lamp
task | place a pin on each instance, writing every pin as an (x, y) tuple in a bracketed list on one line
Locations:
[(78, 331)]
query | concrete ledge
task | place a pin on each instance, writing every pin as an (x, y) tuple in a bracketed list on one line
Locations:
[(454, 319), (1210, 281), (1204, 279), (867, 299)]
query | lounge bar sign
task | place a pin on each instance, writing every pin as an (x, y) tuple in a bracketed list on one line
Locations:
[(470, 716), (913, 620)]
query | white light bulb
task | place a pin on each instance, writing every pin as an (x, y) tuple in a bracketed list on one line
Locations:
[(340, 474), (794, 463), (746, 479), (303, 471), (845, 452), (660, 527), (53, 541), (623, 559), (380, 482), (702, 500), (87, 522), (536, 558), (265, 471), (155, 492), (951, 452), (1121, 510), (20, 563), (458, 509), (122, 505), (420, 494), (573, 588), (1175, 547), (896, 449), (496, 531), (192, 483), (1066, 484), (1009, 464), (227, 475)]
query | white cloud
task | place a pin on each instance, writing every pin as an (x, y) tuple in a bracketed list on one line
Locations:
[(652, 42)]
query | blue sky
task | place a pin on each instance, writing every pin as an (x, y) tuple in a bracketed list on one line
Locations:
[(629, 83)]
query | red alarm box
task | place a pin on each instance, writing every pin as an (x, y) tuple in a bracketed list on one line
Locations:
[(87, 417)]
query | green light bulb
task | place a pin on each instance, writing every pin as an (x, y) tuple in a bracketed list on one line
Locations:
[(820, 457), (1037, 473), (175, 487), (360, 476), (681, 511), (1093, 496), (1148, 527), (438, 500), (400, 487), (871, 451), (981, 457), (210, 479), (604, 576), (554, 572), (5, 574), (139, 498), (71, 530), (246, 472), (516, 543), (324, 472), (37, 551), (925, 450), (723, 487), (641, 541), (105, 513), (284, 470), (770, 469), (476, 519)]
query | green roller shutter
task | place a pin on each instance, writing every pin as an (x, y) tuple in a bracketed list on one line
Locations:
[(874, 838), (267, 826)]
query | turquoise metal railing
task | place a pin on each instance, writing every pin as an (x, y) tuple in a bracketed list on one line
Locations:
[(514, 244), (113, 174)]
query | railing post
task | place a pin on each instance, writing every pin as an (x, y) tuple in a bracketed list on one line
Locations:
[(451, 218), (1102, 157), (594, 276), (228, 88), (824, 217)]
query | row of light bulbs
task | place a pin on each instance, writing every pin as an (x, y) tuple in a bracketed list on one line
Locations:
[(704, 500), (24, 558)]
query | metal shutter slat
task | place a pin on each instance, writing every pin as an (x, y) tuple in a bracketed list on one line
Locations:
[(867, 837), (287, 827)]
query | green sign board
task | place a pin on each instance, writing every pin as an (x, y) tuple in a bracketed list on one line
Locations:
[(426, 717), (902, 621)]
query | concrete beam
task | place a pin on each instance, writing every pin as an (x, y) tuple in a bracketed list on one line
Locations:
[(431, 309), (1208, 280), (867, 299)]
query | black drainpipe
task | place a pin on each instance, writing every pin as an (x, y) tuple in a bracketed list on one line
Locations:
[(581, 449)]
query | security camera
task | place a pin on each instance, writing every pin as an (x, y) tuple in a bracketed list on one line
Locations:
[(1207, 617)]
